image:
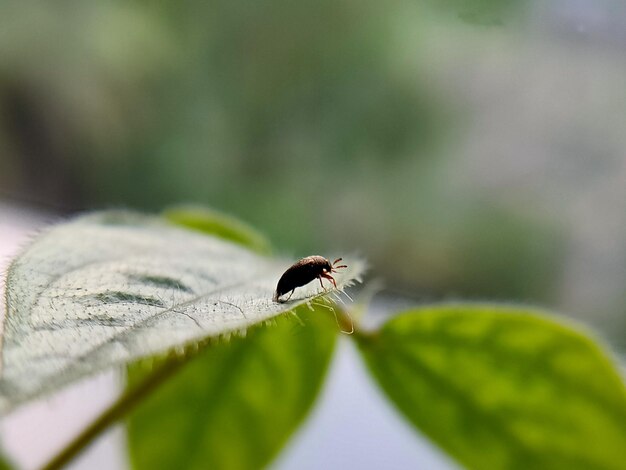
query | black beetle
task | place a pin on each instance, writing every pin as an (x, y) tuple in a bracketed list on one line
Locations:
[(303, 272)]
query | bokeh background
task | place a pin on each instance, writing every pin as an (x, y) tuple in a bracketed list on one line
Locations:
[(468, 149)]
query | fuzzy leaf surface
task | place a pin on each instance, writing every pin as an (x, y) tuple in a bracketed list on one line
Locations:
[(503, 388), (236, 404), (111, 287)]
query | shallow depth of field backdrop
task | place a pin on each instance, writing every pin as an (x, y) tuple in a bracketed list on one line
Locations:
[(467, 149)]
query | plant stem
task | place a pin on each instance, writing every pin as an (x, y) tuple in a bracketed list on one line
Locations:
[(117, 411)]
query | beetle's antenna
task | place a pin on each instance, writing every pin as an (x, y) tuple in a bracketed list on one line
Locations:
[(337, 267)]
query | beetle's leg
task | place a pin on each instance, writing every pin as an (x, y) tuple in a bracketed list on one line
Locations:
[(329, 277), (290, 294), (321, 283)]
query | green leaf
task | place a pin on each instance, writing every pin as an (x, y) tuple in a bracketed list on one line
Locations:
[(502, 388), (482, 12), (112, 287), (221, 225), (236, 404), (4, 464)]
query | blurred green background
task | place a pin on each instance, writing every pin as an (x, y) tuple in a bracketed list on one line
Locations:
[(467, 149)]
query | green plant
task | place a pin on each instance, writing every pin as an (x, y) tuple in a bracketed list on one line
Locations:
[(219, 375)]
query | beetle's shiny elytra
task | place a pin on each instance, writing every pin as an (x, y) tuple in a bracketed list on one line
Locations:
[(305, 271)]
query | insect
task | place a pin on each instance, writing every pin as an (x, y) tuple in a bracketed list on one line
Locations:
[(303, 272)]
